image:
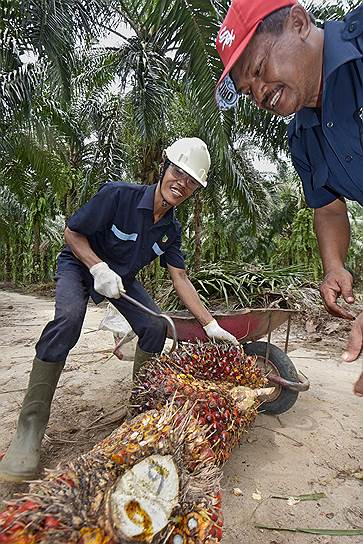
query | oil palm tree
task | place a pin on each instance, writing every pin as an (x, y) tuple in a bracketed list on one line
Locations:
[(64, 132), (43, 34)]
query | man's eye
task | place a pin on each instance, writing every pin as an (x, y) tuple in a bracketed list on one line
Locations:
[(259, 69)]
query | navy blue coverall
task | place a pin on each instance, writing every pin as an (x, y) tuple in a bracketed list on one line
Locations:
[(118, 223), (327, 145)]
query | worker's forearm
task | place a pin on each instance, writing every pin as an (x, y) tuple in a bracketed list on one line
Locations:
[(333, 233), (189, 297), (81, 248)]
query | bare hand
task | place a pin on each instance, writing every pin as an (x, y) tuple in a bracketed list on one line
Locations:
[(338, 282), (354, 349)]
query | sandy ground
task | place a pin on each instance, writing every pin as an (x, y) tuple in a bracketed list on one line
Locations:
[(315, 447)]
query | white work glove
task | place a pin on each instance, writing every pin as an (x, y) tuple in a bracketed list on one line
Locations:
[(215, 332), (107, 282)]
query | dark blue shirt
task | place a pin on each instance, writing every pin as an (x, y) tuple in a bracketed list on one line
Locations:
[(327, 144), (118, 223)]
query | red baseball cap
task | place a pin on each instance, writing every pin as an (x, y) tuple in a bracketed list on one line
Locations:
[(237, 30)]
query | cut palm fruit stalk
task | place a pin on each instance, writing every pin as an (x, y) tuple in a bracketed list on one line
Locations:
[(155, 479), (152, 480), (214, 380)]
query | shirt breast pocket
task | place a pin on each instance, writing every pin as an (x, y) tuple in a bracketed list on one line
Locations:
[(122, 242), (162, 245)]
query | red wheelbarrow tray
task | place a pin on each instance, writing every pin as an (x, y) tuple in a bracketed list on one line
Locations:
[(247, 325)]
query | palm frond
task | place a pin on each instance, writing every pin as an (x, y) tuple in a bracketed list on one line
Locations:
[(49, 30), (326, 11), (239, 285), (12, 212)]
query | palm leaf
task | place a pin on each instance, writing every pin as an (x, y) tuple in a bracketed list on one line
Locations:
[(322, 532)]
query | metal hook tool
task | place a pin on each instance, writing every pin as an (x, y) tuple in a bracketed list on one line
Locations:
[(166, 318)]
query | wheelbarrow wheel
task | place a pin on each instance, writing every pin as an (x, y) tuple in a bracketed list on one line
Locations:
[(279, 363)]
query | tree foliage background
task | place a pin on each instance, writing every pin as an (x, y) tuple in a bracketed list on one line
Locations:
[(75, 114)]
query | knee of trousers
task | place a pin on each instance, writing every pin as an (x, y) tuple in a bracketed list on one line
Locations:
[(59, 336), (152, 335), (70, 321)]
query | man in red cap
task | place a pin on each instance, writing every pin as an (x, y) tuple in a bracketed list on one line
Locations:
[(274, 53)]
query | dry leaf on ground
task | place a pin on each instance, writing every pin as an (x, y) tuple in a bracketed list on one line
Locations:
[(257, 495), (237, 491)]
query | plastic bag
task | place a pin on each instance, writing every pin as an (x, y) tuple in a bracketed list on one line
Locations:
[(119, 326)]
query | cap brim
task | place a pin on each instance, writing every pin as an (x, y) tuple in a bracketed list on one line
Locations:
[(232, 61)]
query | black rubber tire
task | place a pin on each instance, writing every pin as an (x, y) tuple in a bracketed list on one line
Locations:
[(285, 368)]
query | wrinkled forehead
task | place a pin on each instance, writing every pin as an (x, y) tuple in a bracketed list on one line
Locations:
[(258, 48)]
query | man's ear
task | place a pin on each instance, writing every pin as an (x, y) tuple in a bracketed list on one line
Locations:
[(161, 165), (299, 21)]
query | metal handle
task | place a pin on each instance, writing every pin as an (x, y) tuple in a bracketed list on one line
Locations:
[(166, 318), (302, 385)]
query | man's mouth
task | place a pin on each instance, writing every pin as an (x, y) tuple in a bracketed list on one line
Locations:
[(274, 98), (176, 192)]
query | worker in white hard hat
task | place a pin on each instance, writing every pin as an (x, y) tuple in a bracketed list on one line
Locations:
[(109, 240)]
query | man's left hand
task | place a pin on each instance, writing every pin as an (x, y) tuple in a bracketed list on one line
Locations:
[(354, 349), (215, 332)]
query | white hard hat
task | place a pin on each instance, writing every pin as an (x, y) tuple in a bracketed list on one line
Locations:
[(192, 155)]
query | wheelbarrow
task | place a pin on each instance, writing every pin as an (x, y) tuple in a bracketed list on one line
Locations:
[(248, 326)]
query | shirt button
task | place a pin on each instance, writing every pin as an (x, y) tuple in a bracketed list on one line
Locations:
[(352, 27), (330, 124), (348, 158)]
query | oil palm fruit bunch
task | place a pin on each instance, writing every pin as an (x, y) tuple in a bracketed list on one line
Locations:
[(225, 407), (153, 480), (219, 363), (156, 478)]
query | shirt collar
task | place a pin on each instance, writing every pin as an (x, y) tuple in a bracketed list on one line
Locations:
[(147, 203), (306, 118), (338, 47), (147, 199), (338, 50)]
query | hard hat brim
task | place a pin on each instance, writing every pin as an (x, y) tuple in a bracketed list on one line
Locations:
[(189, 171)]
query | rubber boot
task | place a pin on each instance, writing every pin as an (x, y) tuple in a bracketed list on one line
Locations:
[(141, 357), (21, 461)]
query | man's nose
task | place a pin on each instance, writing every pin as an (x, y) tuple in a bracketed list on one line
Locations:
[(183, 181), (258, 89)]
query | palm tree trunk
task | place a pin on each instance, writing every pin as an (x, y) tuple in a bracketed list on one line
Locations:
[(70, 198), (149, 168), (7, 263), (198, 231), (69, 201), (35, 274)]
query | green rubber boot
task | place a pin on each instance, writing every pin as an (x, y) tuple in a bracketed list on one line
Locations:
[(21, 461), (141, 357)]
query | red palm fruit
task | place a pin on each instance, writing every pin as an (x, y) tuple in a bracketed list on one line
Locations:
[(179, 378), (86, 513), (219, 362), (191, 414)]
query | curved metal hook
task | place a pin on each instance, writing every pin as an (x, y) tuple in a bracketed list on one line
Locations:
[(147, 310)]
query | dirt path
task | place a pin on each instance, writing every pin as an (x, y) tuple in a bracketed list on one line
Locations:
[(316, 447)]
